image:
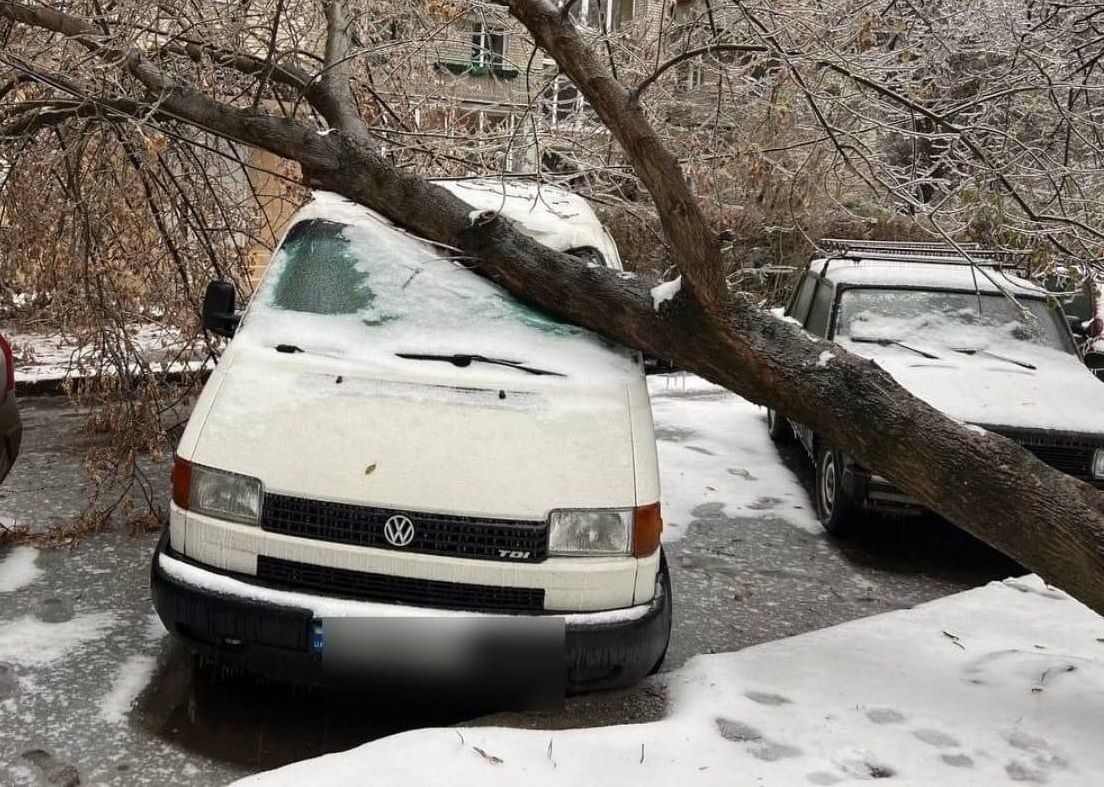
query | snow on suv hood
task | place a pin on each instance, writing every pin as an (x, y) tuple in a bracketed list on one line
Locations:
[(1060, 394), (420, 435)]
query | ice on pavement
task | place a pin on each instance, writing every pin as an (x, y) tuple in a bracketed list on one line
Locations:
[(997, 684), (714, 450), (31, 642), (133, 675), (18, 569)]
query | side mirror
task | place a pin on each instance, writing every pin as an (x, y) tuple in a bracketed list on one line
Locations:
[(219, 316), (1077, 326)]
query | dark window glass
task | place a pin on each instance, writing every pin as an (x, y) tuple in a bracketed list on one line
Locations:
[(822, 309), (800, 308)]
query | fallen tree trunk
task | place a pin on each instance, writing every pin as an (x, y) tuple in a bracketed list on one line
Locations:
[(1050, 522)]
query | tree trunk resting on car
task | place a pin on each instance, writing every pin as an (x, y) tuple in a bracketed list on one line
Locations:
[(1050, 522)]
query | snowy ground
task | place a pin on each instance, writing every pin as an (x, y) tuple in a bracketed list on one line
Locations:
[(46, 357), (1003, 683), (713, 449)]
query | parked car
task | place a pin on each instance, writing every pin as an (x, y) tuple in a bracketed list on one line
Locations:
[(979, 343), (11, 427), (391, 435)]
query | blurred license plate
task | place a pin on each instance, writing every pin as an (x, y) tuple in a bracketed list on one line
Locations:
[(503, 652)]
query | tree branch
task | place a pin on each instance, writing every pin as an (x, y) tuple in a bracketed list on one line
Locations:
[(689, 55), (340, 105), (694, 243)]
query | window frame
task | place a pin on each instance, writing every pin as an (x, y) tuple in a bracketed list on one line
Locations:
[(483, 54), (610, 13)]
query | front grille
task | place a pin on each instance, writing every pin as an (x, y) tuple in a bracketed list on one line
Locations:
[(397, 590), (434, 534), (1073, 456)]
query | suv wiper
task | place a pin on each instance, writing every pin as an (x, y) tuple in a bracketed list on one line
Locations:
[(463, 360), (898, 342), (976, 351)]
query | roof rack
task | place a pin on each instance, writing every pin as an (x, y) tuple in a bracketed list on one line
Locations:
[(923, 251)]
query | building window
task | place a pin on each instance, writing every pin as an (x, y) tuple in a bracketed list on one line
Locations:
[(562, 100), (606, 15), (488, 46)]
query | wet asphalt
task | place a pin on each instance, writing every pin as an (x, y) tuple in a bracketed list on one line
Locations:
[(737, 582)]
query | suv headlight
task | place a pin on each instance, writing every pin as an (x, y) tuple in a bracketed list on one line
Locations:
[(590, 532), (217, 493), (1098, 463)]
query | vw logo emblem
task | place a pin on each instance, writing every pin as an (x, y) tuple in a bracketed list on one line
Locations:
[(398, 530)]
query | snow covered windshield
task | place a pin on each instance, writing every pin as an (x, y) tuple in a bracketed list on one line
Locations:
[(961, 321), (367, 289)]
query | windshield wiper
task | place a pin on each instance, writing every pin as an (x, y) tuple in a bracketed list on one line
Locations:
[(898, 342), (463, 360), (976, 351)]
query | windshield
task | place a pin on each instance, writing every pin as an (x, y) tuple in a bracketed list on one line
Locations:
[(934, 320), (366, 288)]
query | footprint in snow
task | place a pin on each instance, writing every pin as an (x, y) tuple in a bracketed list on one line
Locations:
[(765, 503), (936, 738), (1037, 761), (862, 764), (766, 698), (884, 716), (758, 746), (957, 760)]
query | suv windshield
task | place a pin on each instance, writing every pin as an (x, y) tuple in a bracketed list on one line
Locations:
[(956, 321), (366, 288)]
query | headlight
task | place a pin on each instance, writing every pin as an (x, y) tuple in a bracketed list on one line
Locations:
[(1098, 463), (222, 495), (590, 532)]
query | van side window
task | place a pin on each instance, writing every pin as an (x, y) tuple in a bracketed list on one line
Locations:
[(800, 307), (821, 311)]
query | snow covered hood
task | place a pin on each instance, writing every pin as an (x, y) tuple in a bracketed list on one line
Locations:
[(478, 441), (1060, 394)]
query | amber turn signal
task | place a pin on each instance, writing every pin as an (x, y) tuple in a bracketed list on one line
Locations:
[(181, 481), (647, 526)]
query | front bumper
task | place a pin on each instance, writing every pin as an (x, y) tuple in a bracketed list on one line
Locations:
[(240, 623)]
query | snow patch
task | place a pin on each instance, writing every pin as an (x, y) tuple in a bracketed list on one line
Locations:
[(824, 358), (30, 642), (133, 675), (779, 312), (716, 458), (1007, 700), (18, 569), (664, 292)]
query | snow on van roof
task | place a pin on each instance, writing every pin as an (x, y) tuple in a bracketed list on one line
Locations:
[(952, 275), (552, 216)]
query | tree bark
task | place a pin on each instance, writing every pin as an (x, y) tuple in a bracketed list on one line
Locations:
[(1050, 522)]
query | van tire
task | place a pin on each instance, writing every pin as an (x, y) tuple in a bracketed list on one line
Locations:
[(838, 512), (779, 428), (665, 580)]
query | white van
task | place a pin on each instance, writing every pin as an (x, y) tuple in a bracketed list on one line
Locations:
[(389, 434)]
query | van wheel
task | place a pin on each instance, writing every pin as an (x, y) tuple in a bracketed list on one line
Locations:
[(838, 512), (665, 582), (779, 428)]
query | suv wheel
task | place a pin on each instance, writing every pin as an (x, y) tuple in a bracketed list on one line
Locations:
[(779, 428), (838, 512)]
